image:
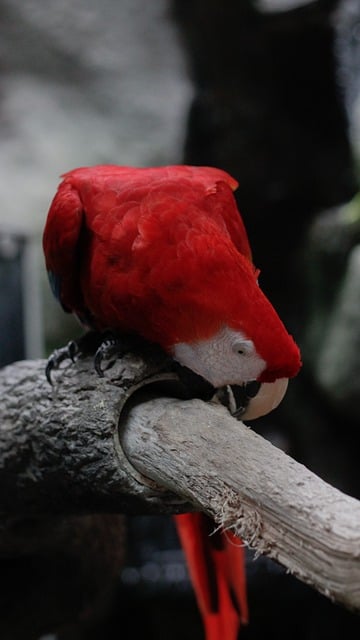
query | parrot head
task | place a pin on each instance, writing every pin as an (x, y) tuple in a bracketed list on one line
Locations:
[(247, 341)]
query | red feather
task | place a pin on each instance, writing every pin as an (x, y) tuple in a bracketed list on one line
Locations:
[(216, 562)]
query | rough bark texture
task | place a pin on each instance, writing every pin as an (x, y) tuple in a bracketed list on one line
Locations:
[(59, 447), (245, 483), (61, 452)]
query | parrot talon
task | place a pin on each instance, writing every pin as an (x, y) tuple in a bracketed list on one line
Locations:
[(114, 346), (58, 356), (88, 343), (73, 350), (110, 347)]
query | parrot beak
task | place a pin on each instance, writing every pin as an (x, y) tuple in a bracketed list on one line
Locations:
[(267, 399)]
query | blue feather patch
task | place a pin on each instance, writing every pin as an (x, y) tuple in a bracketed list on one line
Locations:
[(55, 284)]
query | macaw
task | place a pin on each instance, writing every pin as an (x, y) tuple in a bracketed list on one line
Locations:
[(162, 253)]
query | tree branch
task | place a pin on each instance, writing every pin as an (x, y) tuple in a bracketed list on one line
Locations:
[(275, 504), (59, 446), (61, 451)]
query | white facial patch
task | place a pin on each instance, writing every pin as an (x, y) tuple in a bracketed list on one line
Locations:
[(229, 357)]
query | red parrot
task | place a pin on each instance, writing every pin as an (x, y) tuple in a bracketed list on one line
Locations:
[(162, 253)]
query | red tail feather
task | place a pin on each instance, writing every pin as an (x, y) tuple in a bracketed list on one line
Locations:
[(217, 569)]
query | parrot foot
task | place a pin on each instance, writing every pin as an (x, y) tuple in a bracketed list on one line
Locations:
[(111, 347), (103, 346), (237, 397), (58, 356), (86, 344)]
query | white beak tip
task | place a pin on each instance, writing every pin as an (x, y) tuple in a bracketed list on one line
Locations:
[(266, 400)]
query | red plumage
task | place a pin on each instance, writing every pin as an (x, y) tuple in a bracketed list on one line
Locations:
[(163, 252), (111, 230), (216, 561)]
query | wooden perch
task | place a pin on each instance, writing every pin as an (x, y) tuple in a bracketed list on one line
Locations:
[(62, 451)]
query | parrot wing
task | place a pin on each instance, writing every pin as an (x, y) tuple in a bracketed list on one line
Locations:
[(107, 225), (216, 562), (210, 186), (220, 202), (61, 243)]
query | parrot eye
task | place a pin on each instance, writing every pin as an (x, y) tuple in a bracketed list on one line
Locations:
[(243, 347)]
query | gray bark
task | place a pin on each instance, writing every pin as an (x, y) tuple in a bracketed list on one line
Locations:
[(62, 451), (59, 445)]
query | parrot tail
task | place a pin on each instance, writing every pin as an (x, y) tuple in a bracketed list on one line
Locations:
[(216, 563)]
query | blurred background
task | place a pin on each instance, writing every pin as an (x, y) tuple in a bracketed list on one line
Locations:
[(270, 91), (81, 84)]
